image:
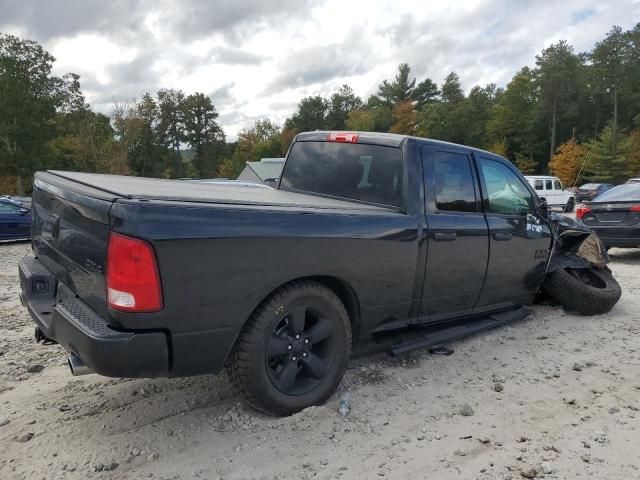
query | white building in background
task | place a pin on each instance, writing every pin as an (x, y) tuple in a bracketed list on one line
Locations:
[(266, 171)]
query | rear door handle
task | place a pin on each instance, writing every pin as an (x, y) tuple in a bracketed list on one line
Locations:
[(502, 236), (444, 237)]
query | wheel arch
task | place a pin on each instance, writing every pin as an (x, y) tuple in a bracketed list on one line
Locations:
[(340, 287)]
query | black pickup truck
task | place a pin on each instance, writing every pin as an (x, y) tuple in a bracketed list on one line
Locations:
[(140, 277)]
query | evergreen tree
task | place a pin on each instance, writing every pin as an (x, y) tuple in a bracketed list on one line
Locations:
[(400, 89), (601, 164)]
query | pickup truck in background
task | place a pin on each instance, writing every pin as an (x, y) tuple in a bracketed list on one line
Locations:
[(140, 277)]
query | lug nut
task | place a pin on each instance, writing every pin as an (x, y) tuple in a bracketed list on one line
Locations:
[(289, 347), (294, 358), (306, 340), (304, 354), (297, 337)]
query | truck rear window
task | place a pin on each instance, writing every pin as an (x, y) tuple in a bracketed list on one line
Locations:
[(368, 173)]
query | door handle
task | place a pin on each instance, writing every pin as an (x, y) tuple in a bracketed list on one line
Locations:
[(444, 237), (502, 236)]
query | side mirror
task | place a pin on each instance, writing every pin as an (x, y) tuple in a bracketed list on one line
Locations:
[(543, 208), (24, 211)]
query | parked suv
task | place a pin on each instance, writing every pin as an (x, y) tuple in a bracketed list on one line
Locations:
[(551, 189)]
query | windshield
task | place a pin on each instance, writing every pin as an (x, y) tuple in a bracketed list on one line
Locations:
[(367, 173), (623, 193), (589, 186)]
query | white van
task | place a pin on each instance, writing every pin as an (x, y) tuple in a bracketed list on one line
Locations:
[(551, 189)]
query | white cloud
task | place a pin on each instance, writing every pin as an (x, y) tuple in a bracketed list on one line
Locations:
[(259, 58)]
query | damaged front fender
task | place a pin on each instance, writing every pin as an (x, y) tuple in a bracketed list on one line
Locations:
[(575, 246)]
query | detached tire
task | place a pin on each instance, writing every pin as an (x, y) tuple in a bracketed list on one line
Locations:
[(587, 291), (294, 349)]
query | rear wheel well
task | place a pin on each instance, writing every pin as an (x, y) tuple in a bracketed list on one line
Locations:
[(342, 289), (347, 296)]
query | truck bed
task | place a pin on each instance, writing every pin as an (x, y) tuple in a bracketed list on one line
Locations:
[(119, 186)]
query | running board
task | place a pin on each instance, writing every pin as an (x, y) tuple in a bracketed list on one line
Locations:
[(461, 330)]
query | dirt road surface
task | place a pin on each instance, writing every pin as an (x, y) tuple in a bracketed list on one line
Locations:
[(555, 396)]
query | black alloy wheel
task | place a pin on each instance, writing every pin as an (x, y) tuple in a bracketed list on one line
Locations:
[(294, 349), (299, 350)]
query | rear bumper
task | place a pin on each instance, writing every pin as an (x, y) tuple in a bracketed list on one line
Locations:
[(80, 330), (619, 236)]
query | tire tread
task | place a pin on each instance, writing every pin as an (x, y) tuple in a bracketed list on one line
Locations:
[(580, 297), (240, 365)]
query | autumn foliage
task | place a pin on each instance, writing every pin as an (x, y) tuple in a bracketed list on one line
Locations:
[(567, 161), (404, 118)]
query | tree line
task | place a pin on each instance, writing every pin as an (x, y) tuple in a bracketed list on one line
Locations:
[(576, 115)]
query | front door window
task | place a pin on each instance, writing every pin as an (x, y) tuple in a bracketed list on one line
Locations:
[(506, 192)]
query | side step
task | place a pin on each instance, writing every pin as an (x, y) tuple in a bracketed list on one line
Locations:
[(460, 330)]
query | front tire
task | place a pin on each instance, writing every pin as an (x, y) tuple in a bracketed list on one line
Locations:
[(589, 291), (294, 349)]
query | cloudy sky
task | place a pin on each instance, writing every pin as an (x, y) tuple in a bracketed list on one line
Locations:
[(257, 58)]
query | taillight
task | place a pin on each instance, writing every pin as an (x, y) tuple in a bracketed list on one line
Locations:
[(133, 280), (635, 208), (342, 137), (582, 210)]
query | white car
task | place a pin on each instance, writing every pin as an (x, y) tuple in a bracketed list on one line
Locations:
[(551, 189)]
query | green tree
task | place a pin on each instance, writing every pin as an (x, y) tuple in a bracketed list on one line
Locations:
[(341, 104), (400, 89), (361, 120), (30, 96), (147, 154), (444, 120), (601, 165), (381, 112), (311, 114), (511, 117), (84, 141), (171, 128), (451, 91), (262, 140), (556, 75), (202, 133), (610, 65), (474, 115), (425, 92)]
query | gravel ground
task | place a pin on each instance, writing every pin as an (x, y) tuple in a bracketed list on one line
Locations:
[(554, 396)]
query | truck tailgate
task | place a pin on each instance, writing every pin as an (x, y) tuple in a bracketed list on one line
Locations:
[(70, 234)]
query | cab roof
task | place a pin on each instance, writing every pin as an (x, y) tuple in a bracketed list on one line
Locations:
[(385, 139)]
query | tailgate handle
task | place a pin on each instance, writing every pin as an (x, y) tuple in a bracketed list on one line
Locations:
[(502, 236), (444, 237)]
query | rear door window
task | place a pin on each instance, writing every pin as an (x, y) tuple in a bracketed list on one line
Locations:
[(367, 173), (539, 185), (547, 184), (453, 182)]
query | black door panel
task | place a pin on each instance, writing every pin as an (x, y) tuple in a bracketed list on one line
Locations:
[(458, 243), (519, 239)]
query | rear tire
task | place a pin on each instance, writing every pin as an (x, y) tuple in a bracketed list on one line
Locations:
[(588, 291), (294, 349)]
